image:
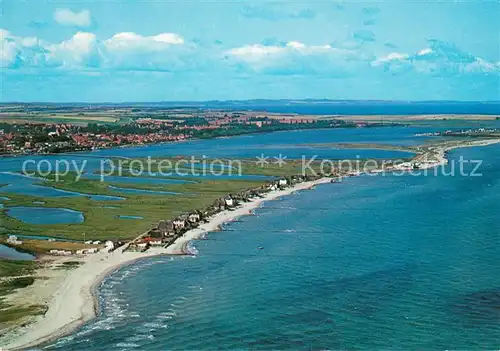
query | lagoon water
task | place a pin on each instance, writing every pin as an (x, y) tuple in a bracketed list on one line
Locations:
[(9, 253), (130, 217), (21, 184), (375, 262), (45, 215)]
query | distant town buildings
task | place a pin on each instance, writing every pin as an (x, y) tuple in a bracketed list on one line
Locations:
[(39, 138)]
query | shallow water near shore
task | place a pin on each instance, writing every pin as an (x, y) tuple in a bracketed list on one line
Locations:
[(373, 262)]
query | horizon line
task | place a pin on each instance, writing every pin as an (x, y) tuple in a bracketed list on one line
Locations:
[(249, 100)]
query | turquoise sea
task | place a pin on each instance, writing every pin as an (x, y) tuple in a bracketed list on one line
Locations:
[(375, 262)]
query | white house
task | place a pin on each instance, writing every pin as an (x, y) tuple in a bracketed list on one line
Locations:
[(88, 242), (12, 239), (282, 182), (229, 202), (194, 217), (80, 252), (91, 251), (273, 187), (60, 252), (157, 242), (97, 242), (109, 245)]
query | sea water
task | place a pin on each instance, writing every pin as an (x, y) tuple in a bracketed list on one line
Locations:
[(374, 262)]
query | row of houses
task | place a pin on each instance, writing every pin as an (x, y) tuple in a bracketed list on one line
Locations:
[(108, 246), (60, 252), (89, 251), (167, 231)]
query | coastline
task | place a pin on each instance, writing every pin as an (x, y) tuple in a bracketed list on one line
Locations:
[(178, 247), (76, 295)]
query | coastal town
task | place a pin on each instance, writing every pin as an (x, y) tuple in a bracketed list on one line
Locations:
[(43, 131)]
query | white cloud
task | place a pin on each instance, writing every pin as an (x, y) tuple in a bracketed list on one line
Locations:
[(8, 48), (482, 66), (439, 59), (129, 41), (393, 56), (18, 51), (296, 45), (83, 50), (162, 52), (73, 52), (66, 17), (255, 52), (425, 51), (258, 52), (297, 58), (168, 52)]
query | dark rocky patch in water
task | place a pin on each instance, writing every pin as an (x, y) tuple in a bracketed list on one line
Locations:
[(477, 308)]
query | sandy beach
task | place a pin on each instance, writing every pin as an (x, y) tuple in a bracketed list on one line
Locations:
[(70, 295), (436, 156)]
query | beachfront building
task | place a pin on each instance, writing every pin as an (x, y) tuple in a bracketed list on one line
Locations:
[(60, 252), (179, 223), (12, 239), (273, 186), (282, 183), (87, 251), (166, 228), (229, 201), (220, 204), (109, 245), (194, 217)]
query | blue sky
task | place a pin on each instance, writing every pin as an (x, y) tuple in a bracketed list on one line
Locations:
[(127, 50)]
